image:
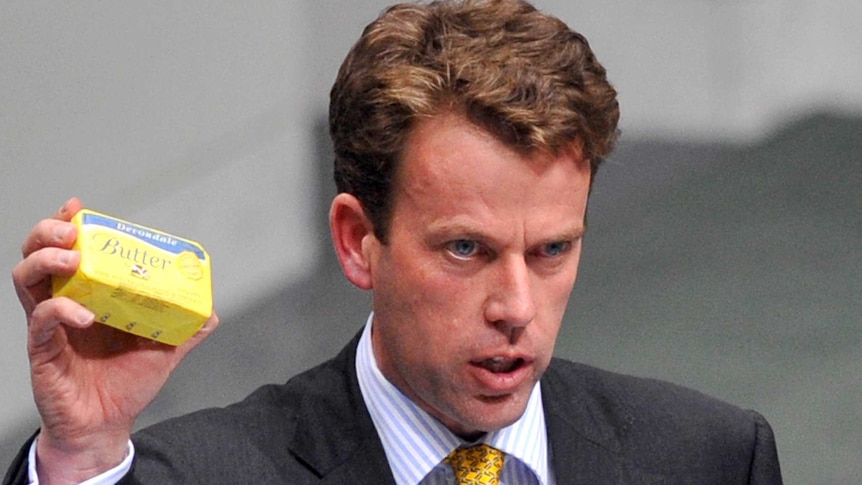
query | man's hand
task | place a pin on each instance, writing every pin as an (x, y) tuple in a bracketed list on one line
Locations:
[(90, 382)]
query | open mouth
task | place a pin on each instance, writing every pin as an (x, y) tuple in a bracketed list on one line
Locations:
[(501, 365)]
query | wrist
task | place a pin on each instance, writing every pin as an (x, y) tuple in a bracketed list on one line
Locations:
[(65, 463)]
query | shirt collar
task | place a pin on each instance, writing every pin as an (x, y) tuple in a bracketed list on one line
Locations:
[(415, 442)]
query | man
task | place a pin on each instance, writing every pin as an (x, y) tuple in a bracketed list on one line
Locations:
[(466, 138)]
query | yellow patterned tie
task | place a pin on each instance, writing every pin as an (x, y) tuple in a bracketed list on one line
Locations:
[(476, 465)]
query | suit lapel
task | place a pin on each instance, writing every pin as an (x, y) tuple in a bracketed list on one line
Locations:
[(337, 440), (335, 436), (584, 447)]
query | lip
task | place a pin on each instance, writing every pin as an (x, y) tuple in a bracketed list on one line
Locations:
[(495, 384)]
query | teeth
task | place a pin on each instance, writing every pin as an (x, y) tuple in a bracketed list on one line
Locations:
[(499, 364)]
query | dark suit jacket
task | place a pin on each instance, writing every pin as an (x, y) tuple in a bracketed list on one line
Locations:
[(604, 428)]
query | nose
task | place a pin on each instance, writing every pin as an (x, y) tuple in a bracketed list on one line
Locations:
[(511, 304)]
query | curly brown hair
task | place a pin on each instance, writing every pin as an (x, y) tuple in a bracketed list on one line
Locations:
[(518, 73)]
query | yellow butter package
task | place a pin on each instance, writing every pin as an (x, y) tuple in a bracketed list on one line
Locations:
[(138, 279)]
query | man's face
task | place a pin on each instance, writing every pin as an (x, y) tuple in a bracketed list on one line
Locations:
[(470, 289)]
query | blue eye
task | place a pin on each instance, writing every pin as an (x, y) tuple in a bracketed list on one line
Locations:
[(556, 248), (463, 248)]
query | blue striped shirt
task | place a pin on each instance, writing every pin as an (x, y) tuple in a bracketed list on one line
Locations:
[(416, 443)]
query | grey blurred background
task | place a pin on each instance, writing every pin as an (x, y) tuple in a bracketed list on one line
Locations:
[(723, 250)]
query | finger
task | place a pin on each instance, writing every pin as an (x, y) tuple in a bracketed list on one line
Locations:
[(68, 209), (55, 231), (32, 276), (49, 233), (49, 315)]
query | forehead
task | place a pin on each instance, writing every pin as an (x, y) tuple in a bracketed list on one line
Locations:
[(449, 146), (451, 167)]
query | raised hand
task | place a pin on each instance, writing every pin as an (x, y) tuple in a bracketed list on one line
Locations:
[(90, 381)]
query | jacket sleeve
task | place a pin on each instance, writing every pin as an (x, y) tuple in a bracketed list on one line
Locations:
[(765, 469), (17, 472)]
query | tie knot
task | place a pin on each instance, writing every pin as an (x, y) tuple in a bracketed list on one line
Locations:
[(479, 464)]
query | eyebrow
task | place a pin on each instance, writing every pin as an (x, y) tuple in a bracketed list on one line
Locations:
[(573, 234), (449, 227), (468, 231)]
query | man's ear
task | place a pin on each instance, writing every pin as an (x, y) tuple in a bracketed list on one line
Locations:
[(353, 235)]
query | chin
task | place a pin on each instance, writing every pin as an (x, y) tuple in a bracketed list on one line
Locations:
[(492, 414)]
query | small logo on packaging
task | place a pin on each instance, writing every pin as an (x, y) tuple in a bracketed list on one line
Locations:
[(140, 272)]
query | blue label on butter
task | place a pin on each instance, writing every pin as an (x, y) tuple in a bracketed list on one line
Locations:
[(159, 239)]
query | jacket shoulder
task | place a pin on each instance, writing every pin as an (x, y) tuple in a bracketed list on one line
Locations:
[(659, 427), (649, 399), (251, 441)]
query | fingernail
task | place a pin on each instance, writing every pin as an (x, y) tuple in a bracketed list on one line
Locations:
[(63, 208), (84, 316)]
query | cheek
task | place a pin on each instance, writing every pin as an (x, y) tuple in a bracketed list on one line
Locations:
[(553, 294), (553, 303), (437, 295), (428, 309)]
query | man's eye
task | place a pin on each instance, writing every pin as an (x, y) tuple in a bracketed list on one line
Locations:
[(556, 248), (463, 248)]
